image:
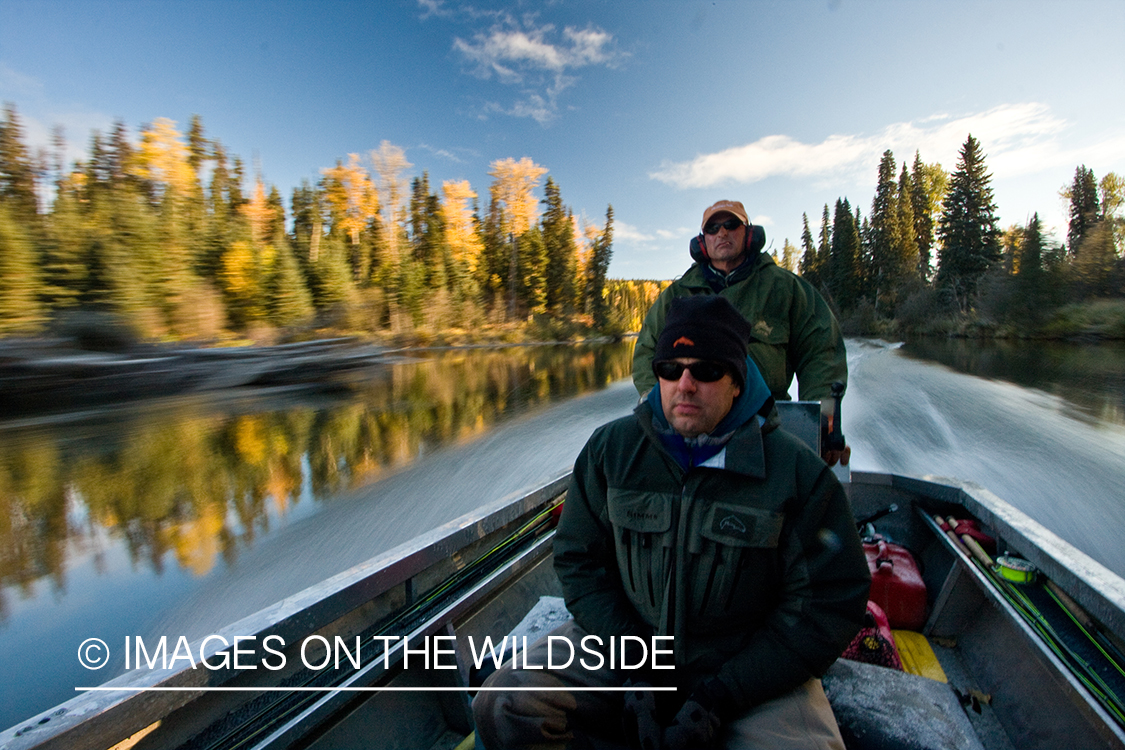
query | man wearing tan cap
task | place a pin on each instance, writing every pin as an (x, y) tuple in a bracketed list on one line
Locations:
[(793, 330)]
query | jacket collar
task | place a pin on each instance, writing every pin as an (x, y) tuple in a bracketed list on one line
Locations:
[(703, 276)]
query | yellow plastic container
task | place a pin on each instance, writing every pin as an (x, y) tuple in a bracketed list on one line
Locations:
[(917, 655)]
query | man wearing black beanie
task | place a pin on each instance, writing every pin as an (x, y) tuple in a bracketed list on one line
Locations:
[(695, 521)]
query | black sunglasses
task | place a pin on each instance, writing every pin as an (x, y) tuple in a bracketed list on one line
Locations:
[(704, 372), (730, 225)]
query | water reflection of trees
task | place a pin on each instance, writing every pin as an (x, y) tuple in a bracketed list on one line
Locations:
[(194, 481)]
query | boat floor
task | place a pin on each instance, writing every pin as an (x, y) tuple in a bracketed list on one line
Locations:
[(978, 711)]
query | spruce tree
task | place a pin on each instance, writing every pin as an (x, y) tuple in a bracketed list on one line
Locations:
[(905, 238), (290, 301), (66, 272), (1085, 210), (532, 271), (810, 263), (923, 217), (596, 271), (17, 174), (562, 252), (970, 239), (20, 308), (824, 246), (841, 272)]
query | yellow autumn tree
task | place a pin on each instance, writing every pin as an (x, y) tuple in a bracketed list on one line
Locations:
[(514, 183), (259, 213), (162, 157), (460, 233), (352, 196), (243, 269)]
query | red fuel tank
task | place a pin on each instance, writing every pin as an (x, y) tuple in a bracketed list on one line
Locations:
[(896, 584)]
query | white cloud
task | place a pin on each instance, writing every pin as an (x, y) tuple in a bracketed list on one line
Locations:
[(1017, 138), (15, 84), (537, 59), (630, 233)]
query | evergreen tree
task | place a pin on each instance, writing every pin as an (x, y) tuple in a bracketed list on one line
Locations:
[(124, 256), (439, 260), (597, 269), (824, 246), (562, 252), (810, 262), (17, 174), (883, 269), (531, 290), (841, 271), (1085, 210), (307, 222), (905, 238), (331, 277), (496, 253), (970, 239), (290, 301), (1031, 300), (20, 289), (66, 273), (922, 206)]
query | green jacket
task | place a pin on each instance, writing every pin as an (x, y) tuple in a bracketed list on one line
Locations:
[(794, 330), (755, 568)]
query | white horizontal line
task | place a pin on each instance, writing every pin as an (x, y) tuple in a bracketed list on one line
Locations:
[(367, 689)]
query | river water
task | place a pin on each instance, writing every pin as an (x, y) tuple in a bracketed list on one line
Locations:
[(179, 517)]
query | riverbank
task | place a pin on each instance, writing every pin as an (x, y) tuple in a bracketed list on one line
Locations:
[(51, 374), (1098, 320)]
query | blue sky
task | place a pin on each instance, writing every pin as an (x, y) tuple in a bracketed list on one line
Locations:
[(658, 108)]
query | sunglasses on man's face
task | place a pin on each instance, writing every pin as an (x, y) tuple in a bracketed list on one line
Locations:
[(730, 225), (704, 372)]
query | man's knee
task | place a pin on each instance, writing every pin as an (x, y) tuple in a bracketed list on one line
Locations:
[(507, 717)]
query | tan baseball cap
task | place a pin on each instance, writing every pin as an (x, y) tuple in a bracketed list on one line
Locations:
[(731, 207)]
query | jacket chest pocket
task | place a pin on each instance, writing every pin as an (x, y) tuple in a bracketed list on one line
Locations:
[(735, 568), (768, 347), (643, 539)]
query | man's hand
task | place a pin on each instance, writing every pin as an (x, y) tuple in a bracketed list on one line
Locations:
[(640, 717), (841, 456), (695, 727)]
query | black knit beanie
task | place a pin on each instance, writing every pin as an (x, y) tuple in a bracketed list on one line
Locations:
[(708, 327)]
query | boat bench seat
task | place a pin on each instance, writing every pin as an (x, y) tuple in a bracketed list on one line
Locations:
[(885, 709)]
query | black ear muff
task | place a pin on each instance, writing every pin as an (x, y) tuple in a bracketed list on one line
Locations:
[(698, 249), (755, 239)]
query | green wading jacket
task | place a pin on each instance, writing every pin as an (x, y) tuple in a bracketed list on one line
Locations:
[(755, 568), (794, 331)]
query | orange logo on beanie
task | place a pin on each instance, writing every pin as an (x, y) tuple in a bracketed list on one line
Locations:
[(683, 340)]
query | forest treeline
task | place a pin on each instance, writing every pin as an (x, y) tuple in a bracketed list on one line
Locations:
[(161, 237), (931, 257)]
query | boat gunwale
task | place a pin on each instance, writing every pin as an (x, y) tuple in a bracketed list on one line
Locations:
[(101, 718), (1099, 590)]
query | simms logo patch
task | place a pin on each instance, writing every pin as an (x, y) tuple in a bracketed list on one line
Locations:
[(683, 340), (732, 523)]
